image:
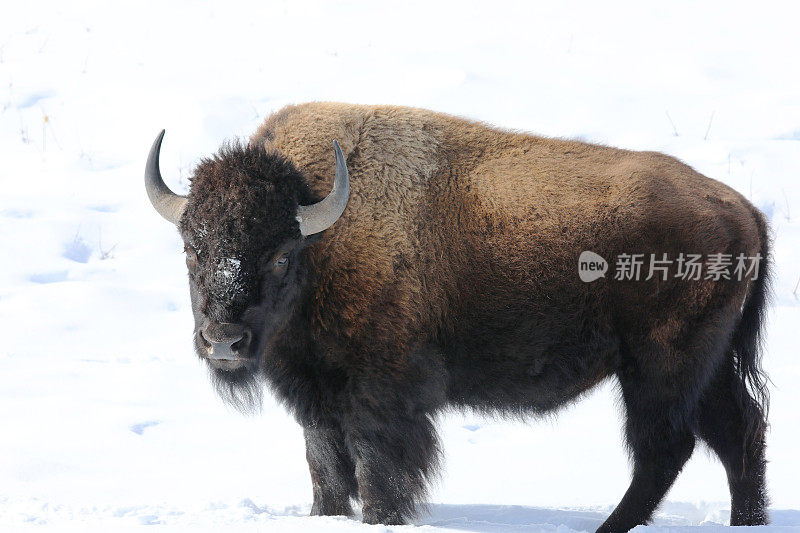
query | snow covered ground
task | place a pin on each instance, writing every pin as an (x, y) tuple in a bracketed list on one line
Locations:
[(108, 420)]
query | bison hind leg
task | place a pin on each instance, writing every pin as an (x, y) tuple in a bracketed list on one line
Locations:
[(732, 423), (659, 440)]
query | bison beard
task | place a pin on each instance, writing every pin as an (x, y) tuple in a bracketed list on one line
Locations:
[(240, 388), (450, 281)]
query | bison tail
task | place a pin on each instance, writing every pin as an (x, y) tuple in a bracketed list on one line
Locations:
[(747, 343)]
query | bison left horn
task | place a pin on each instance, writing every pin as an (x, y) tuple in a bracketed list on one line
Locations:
[(168, 204), (321, 215)]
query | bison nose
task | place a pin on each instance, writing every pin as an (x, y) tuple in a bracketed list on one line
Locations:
[(226, 341)]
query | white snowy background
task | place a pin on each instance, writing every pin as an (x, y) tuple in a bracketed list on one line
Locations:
[(107, 419)]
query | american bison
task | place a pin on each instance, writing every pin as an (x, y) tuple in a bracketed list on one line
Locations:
[(433, 262)]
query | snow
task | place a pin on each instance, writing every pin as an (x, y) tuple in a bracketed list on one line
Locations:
[(109, 421), (227, 277)]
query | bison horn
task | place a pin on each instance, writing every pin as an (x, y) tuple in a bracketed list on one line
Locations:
[(321, 216), (168, 204)]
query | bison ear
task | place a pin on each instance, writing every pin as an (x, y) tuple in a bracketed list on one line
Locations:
[(318, 217)]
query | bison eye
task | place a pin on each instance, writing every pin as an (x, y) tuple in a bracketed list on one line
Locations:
[(280, 259)]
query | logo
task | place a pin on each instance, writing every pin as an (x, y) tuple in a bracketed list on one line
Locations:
[(686, 266), (591, 266)]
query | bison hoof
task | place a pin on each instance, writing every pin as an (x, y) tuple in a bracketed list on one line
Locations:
[(331, 509), (373, 515)]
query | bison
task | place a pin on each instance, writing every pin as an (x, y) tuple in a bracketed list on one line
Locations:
[(438, 266)]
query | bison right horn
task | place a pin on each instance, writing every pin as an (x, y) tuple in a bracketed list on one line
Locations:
[(168, 204), (321, 215)]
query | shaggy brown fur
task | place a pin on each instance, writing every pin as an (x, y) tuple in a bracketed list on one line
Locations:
[(451, 279), (440, 205)]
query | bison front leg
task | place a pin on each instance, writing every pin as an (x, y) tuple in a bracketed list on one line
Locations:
[(394, 457), (390, 434), (332, 471)]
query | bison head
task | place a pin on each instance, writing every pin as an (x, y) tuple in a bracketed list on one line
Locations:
[(245, 222)]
